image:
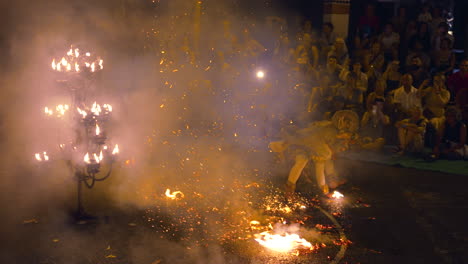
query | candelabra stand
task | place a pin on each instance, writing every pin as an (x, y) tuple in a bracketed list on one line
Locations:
[(88, 151)]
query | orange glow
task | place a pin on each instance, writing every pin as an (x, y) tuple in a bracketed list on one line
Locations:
[(286, 243), (337, 195), (174, 195)]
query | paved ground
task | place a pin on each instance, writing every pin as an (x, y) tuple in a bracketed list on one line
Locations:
[(391, 215)]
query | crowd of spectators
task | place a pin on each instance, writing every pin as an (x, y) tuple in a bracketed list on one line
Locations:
[(400, 76)]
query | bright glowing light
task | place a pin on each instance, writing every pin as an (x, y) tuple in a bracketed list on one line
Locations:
[(98, 130), (96, 158), (77, 53), (46, 157), (82, 112), (54, 65), (116, 150), (38, 157), (86, 159), (286, 243), (337, 195), (107, 107), (260, 74), (48, 111), (174, 195)]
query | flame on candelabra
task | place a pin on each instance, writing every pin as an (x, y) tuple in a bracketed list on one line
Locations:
[(107, 107), (48, 111), (116, 150), (73, 62), (98, 130), (174, 195), (82, 112), (96, 109), (44, 156), (86, 158)]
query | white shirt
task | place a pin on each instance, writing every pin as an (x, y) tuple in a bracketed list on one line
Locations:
[(407, 100)]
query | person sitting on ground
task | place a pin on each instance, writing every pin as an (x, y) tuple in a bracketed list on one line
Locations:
[(379, 92), (451, 142), (459, 80), (444, 58), (436, 98), (372, 126), (352, 93), (392, 77), (418, 71), (406, 97), (333, 70), (340, 51), (411, 132), (390, 41), (318, 142)]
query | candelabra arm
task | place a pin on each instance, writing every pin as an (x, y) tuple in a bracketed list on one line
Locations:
[(107, 174)]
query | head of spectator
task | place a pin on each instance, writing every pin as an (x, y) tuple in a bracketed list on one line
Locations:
[(451, 116), (388, 29), (445, 44), (332, 62), (376, 48), (464, 66), (439, 82), (407, 82), (416, 113), (443, 29), (327, 28), (357, 68), (340, 45), (393, 66), (416, 63)]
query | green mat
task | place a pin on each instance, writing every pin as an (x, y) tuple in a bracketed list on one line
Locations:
[(459, 167)]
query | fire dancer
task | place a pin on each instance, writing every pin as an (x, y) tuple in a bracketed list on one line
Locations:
[(319, 142)]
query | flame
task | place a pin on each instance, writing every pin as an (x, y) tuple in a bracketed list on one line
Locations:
[(260, 74), (88, 54), (96, 158), (82, 112), (61, 109), (87, 64), (70, 52), (101, 156), (86, 159), (286, 243), (54, 65), (98, 130), (48, 111), (59, 67), (77, 53), (100, 64), (174, 195), (337, 195), (77, 67), (46, 157), (64, 61), (38, 157), (68, 67), (116, 150), (108, 107), (96, 108), (93, 67)]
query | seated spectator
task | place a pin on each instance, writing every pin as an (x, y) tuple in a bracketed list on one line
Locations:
[(361, 78), (442, 32), (399, 21), (329, 107), (369, 23), (417, 50), (444, 58), (340, 51), (459, 81), (436, 98), (392, 77), (425, 14), (417, 71), (406, 97), (411, 132), (374, 59), (451, 143), (326, 40), (437, 18), (423, 36), (390, 41), (320, 93), (372, 126), (333, 70), (352, 93), (378, 93)]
